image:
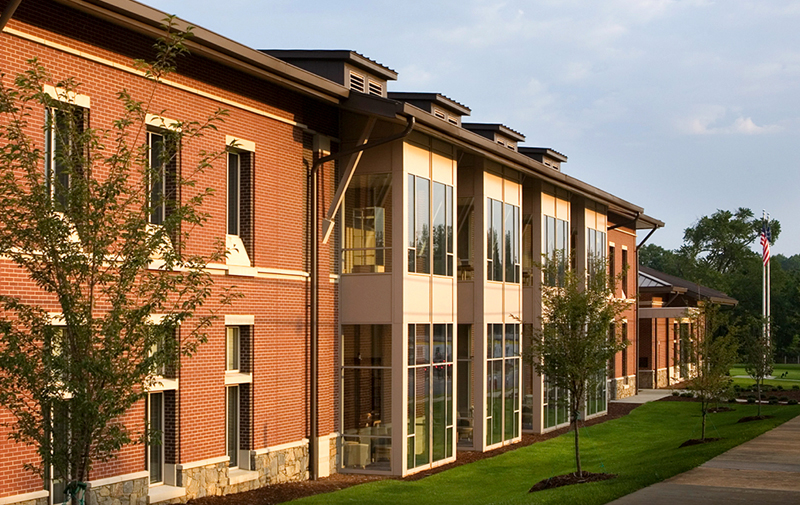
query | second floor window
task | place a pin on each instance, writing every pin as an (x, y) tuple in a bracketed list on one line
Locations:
[(555, 246), (502, 239), (426, 228), (595, 251), (162, 157), (65, 156)]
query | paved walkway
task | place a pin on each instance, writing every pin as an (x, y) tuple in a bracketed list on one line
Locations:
[(763, 471), (644, 396)]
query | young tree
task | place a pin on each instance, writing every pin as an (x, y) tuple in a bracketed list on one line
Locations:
[(711, 352), (759, 353), (98, 221), (573, 345)]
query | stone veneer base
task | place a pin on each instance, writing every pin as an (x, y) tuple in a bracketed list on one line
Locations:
[(128, 492)]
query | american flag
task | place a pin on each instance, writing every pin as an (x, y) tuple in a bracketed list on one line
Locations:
[(765, 236)]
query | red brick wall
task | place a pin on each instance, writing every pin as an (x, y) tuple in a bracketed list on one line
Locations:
[(625, 236), (283, 156)]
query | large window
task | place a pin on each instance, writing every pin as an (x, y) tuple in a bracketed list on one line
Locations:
[(426, 227), (596, 394), (503, 382), (442, 229), (595, 251), (430, 394), (65, 155), (466, 377), (502, 239), (466, 238), (162, 157), (232, 424), (556, 405), (555, 242), (155, 448), (367, 397), (368, 225)]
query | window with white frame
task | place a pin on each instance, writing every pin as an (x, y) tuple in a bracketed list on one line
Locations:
[(232, 348), (162, 173), (65, 156)]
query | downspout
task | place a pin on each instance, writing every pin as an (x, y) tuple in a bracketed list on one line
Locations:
[(314, 267), (8, 12), (654, 352)]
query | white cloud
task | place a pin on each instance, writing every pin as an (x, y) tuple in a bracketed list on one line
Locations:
[(716, 120)]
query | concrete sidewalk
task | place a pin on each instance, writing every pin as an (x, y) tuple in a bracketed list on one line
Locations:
[(644, 396), (763, 471)]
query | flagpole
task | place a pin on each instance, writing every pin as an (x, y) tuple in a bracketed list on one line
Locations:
[(769, 287), (763, 281)]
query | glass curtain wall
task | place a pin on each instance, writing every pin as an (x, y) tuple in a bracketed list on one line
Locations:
[(596, 395), (555, 242), (466, 239), (430, 226), (430, 394), (502, 239), (367, 397), (595, 251), (368, 225), (502, 386), (466, 378)]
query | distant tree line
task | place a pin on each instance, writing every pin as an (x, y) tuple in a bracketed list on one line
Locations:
[(722, 252)]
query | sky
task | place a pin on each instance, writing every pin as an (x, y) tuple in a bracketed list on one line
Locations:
[(682, 107)]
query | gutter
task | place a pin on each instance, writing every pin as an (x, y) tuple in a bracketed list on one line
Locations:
[(313, 445), (8, 12)]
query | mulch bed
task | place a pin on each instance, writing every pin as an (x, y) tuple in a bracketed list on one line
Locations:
[(570, 479), (280, 493), (698, 441), (720, 409), (753, 418)]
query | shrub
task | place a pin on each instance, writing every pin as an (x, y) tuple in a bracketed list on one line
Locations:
[(751, 399), (773, 402), (792, 402), (731, 400), (784, 398), (772, 397), (676, 393), (779, 387), (795, 387)]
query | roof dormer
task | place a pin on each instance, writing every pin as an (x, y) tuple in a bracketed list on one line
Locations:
[(348, 68), (437, 104), (545, 155), (496, 132)]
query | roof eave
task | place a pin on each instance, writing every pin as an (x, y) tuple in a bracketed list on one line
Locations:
[(149, 21)]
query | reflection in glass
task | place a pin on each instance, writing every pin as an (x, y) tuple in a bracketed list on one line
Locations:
[(367, 224)]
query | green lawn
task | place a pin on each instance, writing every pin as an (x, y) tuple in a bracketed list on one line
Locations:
[(642, 448), (791, 379)]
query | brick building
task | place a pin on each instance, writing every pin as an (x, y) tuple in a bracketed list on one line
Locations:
[(667, 304), (430, 229)]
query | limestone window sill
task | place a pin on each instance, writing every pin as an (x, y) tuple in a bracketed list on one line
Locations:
[(163, 493), (239, 475)]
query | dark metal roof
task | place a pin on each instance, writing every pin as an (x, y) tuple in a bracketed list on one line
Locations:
[(354, 58), (495, 127), (147, 20), (437, 98), (543, 151), (654, 281)]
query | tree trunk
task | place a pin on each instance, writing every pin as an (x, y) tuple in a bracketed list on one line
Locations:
[(758, 387), (703, 429), (577, 444)]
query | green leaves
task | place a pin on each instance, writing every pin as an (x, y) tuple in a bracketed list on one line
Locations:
[(76, 225)]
